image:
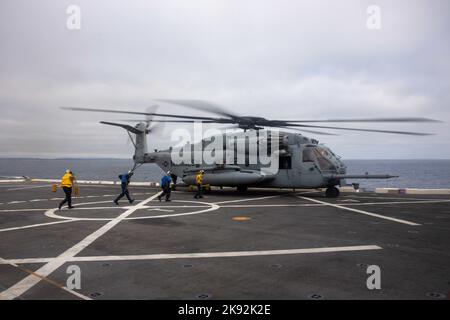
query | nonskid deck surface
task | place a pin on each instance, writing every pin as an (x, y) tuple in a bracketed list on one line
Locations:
[(255, 245)]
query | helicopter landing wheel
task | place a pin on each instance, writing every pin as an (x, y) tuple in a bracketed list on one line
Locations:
[(332, 192), (241, 189)]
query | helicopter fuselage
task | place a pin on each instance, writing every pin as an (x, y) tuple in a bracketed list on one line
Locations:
[(300, 162)]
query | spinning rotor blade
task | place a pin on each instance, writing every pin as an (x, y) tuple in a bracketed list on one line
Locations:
[(175, 121), (203, 106), (149, 117), (233, 126), (155, 127), (312, 131), (409, 119), (257, 122), (143, 113), (366, 130)]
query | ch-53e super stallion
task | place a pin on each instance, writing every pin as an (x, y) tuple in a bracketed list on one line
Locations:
[(295, 161)]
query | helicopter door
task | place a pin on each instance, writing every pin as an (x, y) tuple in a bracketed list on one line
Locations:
[(285, 162)]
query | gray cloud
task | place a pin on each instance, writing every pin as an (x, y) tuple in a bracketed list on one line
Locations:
[(278, 59)]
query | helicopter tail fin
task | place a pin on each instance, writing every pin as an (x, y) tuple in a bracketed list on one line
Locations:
[(134, 130), (140, 142)]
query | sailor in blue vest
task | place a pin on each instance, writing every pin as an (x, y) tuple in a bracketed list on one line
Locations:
[(165, 185), (125, 180)]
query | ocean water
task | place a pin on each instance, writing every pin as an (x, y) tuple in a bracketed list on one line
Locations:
[(413, 173), (84, 169), (427, 174)]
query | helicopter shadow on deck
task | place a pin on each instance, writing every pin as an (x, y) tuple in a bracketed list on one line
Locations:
[(230, 194)]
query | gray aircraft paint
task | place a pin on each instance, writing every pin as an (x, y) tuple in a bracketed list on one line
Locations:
[(300, 173)]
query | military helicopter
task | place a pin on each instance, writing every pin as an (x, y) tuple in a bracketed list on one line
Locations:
[(301, 162)]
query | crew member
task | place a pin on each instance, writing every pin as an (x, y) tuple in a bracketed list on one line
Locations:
[(67, 182), (199, 183), (125, 181), (165, 186), (174, 180)]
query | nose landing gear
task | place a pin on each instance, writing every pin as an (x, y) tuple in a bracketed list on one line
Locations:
[(332, 192)]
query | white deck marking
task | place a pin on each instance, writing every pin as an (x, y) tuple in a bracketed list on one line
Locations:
[(75, 197), (272, 205), (77, 294), (159, 209), (322, 204), (23, 261), (180, 206), (389, 198), (93, 208), (347, 200), (396, 202), (209, 207), (308, 192), (35, 225), (230, 254), (21, 210), (51, 212), (29, 187), (24, 285), (65, 209), (362, 212), (249, 199)]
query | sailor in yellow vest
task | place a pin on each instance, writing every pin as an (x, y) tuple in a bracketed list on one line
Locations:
[(67, 182), (199, 183)]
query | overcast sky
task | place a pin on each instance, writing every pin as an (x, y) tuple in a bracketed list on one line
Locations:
[(275, 59)]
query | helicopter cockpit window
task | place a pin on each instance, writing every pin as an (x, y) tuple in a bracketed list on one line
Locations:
[(320, 156), (308, 155)]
